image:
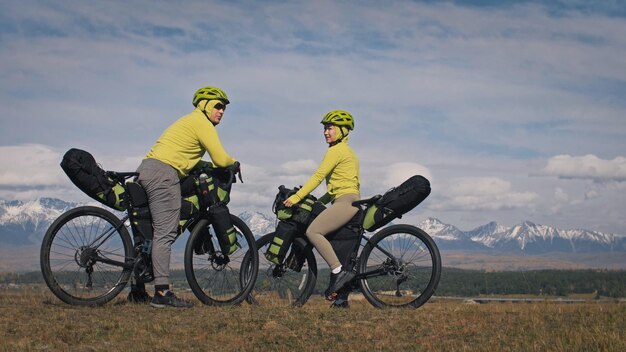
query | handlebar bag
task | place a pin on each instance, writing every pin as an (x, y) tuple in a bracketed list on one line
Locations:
[(218, 183), (89, 177), (299, 214), (396, 202)]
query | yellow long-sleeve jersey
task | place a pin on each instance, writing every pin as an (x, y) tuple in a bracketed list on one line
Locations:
[(340, 168), (184, 142)]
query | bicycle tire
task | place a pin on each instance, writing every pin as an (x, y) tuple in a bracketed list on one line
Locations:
[(70, 249), (215, 284), (409, 283), (279, 285)]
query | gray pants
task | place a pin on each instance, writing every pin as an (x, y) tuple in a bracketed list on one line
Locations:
[(162, 185), (331, 219)]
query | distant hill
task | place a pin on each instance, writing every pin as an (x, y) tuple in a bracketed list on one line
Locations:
[(23, 225)]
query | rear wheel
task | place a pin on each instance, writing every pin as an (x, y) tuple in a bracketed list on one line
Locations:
[(214, 280), (287, 284), (401, 266), (86, 256)]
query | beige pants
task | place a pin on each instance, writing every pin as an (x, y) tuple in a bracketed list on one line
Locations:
[(331, 219)]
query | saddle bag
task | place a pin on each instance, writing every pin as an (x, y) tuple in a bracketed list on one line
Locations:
[(282, 240), (396, 202), (89, 177)]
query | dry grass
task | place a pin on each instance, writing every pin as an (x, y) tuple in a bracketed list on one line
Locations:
[(34, 320)]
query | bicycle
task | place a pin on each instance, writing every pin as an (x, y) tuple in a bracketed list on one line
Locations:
[(87, 254), (398, 266)]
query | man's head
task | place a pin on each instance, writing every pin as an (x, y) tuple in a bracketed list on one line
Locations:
[(212, 102)]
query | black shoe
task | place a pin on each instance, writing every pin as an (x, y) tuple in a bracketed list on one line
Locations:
[(167, 298), (340, 303), (140, 296), (337, 281)]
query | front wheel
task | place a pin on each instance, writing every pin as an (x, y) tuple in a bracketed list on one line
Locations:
[(214, 280), (290, 283), (399, 266), (86, 256)]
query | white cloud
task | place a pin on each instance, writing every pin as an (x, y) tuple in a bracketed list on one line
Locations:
[(585, 167), (481, 194), (30, 165), (400, 172)]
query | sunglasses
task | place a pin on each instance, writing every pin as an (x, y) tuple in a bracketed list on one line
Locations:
[(220, 106)]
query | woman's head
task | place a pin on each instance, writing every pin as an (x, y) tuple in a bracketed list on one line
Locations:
[(337, 125)]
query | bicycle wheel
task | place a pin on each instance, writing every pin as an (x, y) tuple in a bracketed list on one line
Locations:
[(215, 281), (86, 256), (400, 266), (287, 284)]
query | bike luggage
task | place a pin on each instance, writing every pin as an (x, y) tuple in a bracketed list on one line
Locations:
[(396, 202), (89, 177), (283, 237), (224, 229), (300, 213), (346, 239)]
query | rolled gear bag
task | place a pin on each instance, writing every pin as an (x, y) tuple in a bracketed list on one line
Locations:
[(396, 202), (283, 238), (89, 177)]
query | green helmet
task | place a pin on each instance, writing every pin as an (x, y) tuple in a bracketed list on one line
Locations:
[(209, 93), (339, 118)]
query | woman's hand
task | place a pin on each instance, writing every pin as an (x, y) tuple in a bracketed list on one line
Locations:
[(287, 203)]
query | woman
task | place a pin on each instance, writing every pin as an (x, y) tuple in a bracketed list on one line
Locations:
[(340, 168)]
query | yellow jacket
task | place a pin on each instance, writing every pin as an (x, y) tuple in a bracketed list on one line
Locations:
[(184, 142), (340, 168)]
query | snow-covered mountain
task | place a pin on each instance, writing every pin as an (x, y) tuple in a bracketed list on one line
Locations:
[(26, 223), (23, 223), (260, 224)]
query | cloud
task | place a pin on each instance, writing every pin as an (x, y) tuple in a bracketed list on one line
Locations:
[(588, 167), (481, 194), (29, 165), (400, 172)]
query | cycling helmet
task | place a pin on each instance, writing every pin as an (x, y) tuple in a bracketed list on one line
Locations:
[(209, 93), (339, 118)]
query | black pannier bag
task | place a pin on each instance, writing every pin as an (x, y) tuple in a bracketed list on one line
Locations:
[(396, 202), (224, 229), (346, 239), (86, 174), (189, 203), (140, 218), (282, 240)]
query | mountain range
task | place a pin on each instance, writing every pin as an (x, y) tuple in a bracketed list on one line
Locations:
[(25, 223)]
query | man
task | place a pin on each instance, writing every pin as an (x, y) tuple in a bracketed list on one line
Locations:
[(175, 153)]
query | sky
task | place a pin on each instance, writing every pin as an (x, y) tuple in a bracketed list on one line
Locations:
[(514, 110)]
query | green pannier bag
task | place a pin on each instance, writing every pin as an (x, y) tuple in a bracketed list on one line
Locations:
[(283, 238), (89, 177), (396, 202)]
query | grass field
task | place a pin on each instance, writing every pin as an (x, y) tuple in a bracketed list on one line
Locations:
[(34, 320)]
